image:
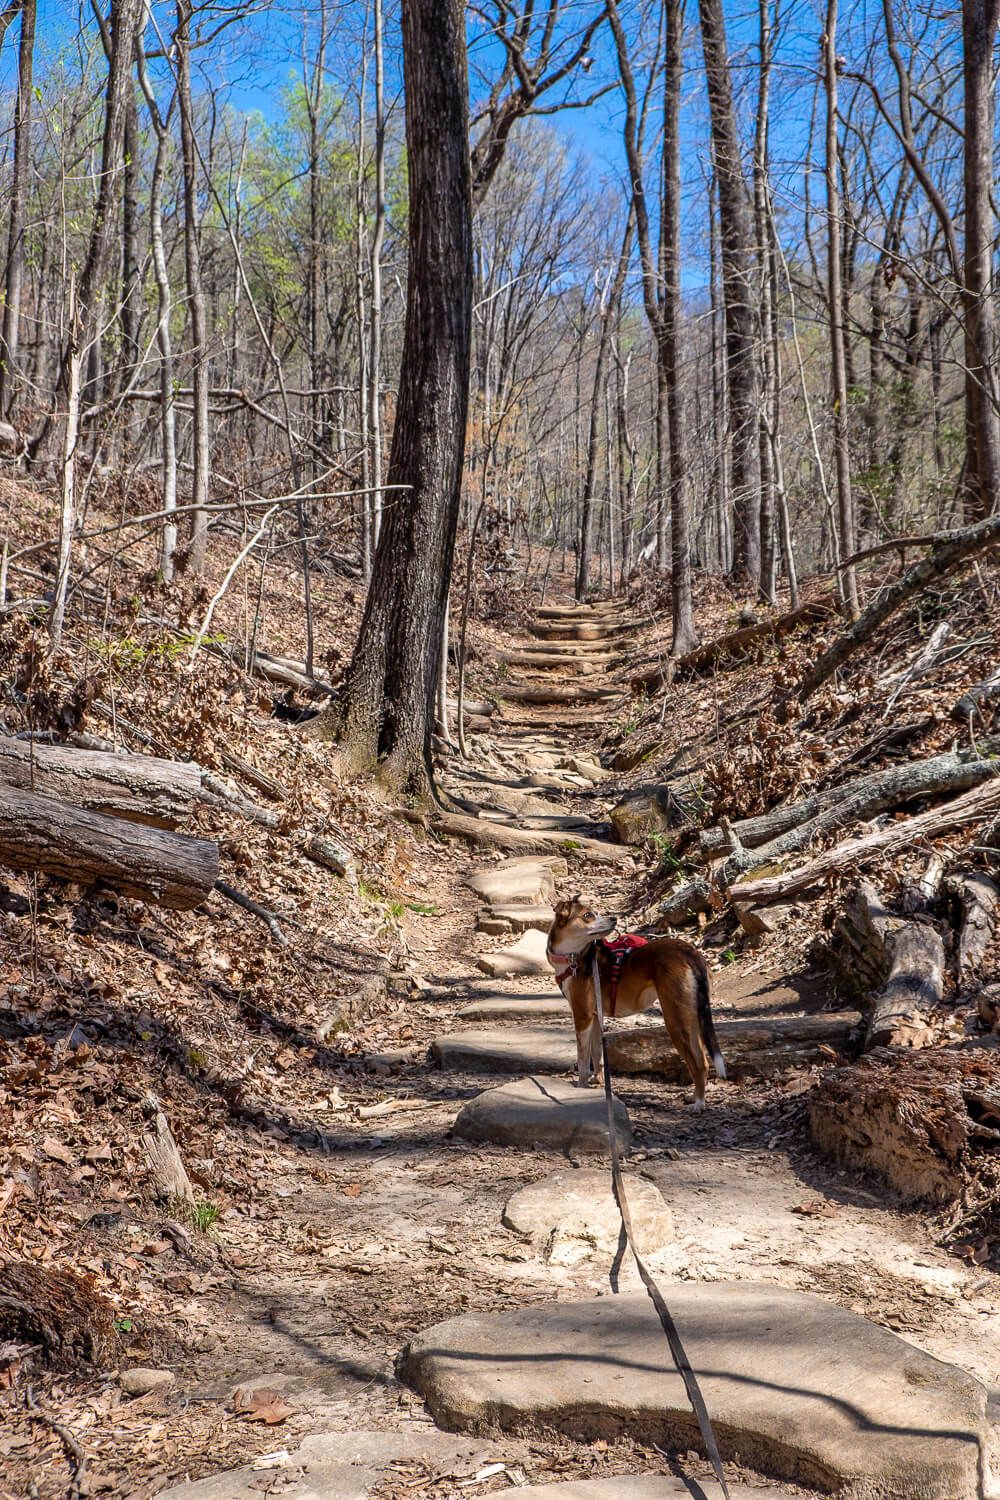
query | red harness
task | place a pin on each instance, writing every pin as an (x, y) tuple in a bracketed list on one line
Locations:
[(616, 951)]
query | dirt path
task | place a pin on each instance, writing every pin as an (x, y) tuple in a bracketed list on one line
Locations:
[(400, 1226)]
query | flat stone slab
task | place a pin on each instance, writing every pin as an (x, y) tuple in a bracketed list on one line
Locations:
[(796, 1387), (574, 1212), (522, 1007), (639, 1487), (338, 1466), (519, 1049), (522, 881), (547, 1113), (526, 956), (513, 918)]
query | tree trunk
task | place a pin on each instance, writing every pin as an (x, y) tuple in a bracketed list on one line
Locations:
[(684, 637), (47, 834), (738, 295), (982, 422), (14, 276), (141, 788), (835, 310), (390, 687), (761, 212), (164, 343), (201, 455)]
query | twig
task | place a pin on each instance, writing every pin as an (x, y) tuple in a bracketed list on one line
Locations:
[(67, 1438), (267, 917)]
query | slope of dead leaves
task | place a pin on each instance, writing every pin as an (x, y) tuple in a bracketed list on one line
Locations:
[(250, 1047)]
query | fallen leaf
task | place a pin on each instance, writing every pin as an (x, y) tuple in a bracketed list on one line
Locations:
[(261, 1405), (815, 1208), (58, 1152), (352, 1190)]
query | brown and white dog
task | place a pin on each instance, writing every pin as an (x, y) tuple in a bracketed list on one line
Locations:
[(666, 970)]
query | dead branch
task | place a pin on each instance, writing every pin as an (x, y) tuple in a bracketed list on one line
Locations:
[(951, 550), (269, 918), (961, 812)]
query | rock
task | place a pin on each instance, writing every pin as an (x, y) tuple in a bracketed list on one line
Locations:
[(637, 816), (523, 1007), (590, 770), (514, 918), (526, 956), (340, 1466), (547, 1113), (758, 920), (754, 1047), (638, 1487), (519, 1049), (10, 440), (139, 1381), (797, 1387), (574, 1211), (522, 881)]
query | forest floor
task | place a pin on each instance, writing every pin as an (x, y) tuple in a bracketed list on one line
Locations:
[(339, 1215)]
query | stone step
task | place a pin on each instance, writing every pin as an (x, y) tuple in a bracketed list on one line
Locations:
[(341, 1466), (554, 693), (640, 1487), (522, 1049), (519, 1007), (512, 918), (526, 956), (797, 1387), (573, 1212), (545, 1114), (523, 880)]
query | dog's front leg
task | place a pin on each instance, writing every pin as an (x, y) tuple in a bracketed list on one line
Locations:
[(596, 1052), (583, 1057)]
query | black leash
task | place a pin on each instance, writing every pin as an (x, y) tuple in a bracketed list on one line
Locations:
[(626, 1239)]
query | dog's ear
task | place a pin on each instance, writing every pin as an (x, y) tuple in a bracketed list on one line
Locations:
[(562, 910), (578, 899)]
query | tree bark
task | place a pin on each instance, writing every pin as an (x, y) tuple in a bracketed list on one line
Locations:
[(980, 19), (390, 688), (738, 295), (140, 788), (50, 835)]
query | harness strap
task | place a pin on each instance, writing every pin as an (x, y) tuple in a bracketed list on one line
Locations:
[(626, 1239)]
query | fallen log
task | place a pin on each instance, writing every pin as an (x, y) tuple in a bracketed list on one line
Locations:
[(960, 812), (977, 898), (170, 1178), (141, 788), (903, 1011), (854, 802), (736, 644), (950, 550), (518, 841), (514, 692), (898, 683), (291, 674), (752, 1047), (52, 836)]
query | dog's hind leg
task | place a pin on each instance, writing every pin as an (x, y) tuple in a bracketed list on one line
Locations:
[(690, 1050)]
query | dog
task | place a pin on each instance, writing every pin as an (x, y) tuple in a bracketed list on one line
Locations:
[(634, 975)]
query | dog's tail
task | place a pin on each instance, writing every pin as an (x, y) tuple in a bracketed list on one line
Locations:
[(705, 1021)]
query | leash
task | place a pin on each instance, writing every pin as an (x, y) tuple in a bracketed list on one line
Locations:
[(626, 1240)]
